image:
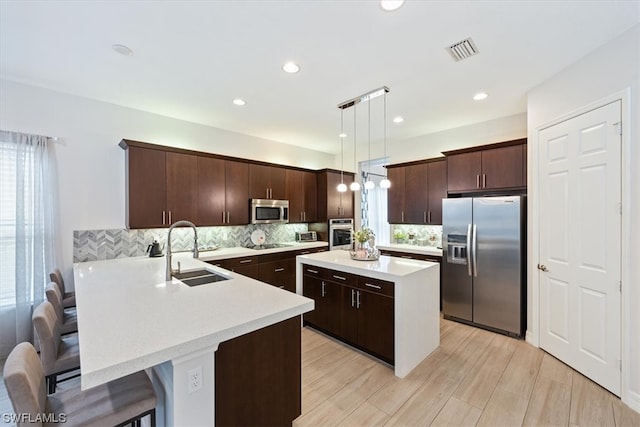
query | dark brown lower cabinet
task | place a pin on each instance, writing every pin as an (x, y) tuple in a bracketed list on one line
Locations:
[(258, 377), (327, 296), (357, 310), (277, 269), (376, 324)]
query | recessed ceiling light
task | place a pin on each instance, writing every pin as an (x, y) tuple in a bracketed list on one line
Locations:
[(122, 49), (480, 96), (398, 119), (391, 5), (342, 135), (291, 67), (239, 102)]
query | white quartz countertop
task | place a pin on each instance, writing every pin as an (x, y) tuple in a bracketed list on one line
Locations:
[(385, 268), (414, 249), (238, 252), (130, 318)]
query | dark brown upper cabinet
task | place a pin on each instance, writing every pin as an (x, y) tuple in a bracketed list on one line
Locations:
[(223, 192), (416, 192), (302, 195), (162, 187), (267, 182), (332, 203), (487, 168)]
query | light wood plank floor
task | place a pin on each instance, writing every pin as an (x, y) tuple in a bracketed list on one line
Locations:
[(475, 378)]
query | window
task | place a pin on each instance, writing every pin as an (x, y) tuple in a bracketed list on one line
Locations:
[(27, 237)]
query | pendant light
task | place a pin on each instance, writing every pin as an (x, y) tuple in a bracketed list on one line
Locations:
[(342, 187), (355, 185), (369, 185), (385, 183), (382, 91)]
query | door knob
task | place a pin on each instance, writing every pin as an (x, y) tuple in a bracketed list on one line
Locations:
[(542, 267)]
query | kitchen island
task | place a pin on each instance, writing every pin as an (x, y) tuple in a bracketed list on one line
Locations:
[(131, 319), (388, 307)]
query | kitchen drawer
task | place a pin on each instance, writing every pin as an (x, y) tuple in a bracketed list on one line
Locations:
[(377, 286), (409, 255), (313, 271), (310, 250), (241, 262)]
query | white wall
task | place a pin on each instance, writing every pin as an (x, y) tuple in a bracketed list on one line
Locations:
[(91, 174), (612, 68), (432, 145)]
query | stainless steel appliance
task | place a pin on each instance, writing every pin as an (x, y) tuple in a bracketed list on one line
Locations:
[(484, 262), (306, 236), (268, 211), (340, 234)]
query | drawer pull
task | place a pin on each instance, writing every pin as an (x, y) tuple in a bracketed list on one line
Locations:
[(339, 277), (278, 270), (312, 271), (323, 289), (373, 286), (305, 252), (358, 300), (406, 256), (245, 261)]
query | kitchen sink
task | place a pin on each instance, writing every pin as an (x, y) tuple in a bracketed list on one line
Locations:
[(199, 277)]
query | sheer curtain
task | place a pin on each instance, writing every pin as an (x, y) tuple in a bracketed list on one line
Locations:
[(28, 206)]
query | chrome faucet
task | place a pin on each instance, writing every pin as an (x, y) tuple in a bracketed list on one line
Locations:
[(195, 244)]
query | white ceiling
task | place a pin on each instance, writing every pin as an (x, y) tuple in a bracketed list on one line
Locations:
[(192, 58)]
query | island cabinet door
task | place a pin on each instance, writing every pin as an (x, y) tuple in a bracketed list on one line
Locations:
[(350, 314), (376, 324), (328, 299)]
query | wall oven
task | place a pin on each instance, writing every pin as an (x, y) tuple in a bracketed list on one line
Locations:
[(340, 234), (267, 211)]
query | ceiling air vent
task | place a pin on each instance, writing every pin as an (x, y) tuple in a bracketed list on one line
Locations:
[(463, 49)]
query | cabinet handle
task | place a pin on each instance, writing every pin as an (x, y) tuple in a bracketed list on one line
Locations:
[(163, 217), (425, 217), (304, 216), (245, 261), (323, 290), (312, 271), (373, 286), (304, 253), (223, 217), (358, 300), (281, 287), (484, 180), (170, 222), (339, 277), (402, 216), (429, 217), (406, 256), (353, 297), (477, 181), (278, 270), (228, 217)]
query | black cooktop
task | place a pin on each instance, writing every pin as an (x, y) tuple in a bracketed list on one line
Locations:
[(267, 246)]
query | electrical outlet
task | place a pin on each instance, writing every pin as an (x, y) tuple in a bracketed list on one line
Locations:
[(194, 380)]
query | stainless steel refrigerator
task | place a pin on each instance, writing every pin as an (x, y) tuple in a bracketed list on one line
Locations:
[(484, 262)]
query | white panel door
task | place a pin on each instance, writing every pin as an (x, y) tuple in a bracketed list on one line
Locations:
[(580, 243)]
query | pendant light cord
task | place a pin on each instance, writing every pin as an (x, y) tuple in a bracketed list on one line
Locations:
[(342, 146)]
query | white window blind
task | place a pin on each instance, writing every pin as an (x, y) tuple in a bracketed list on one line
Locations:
[(8, 178)]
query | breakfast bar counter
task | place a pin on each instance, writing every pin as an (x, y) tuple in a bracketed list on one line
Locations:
[(388, 307), (130, 318)]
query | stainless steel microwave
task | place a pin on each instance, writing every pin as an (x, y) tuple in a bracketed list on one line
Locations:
[(267, 211)]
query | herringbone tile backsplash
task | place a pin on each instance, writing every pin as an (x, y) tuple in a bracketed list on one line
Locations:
[(96, 245)]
